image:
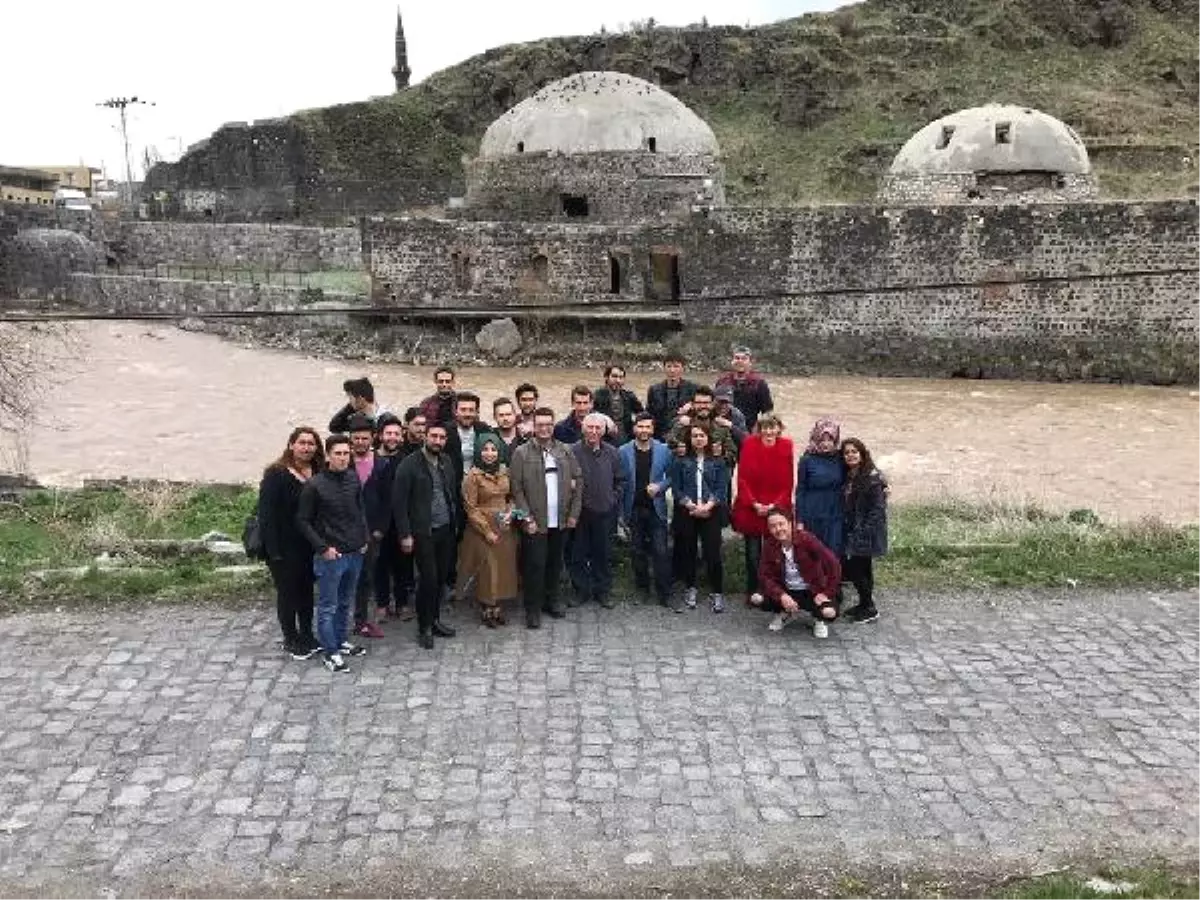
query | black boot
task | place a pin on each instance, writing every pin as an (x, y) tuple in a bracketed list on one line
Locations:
[(443, 631), (425, 639)]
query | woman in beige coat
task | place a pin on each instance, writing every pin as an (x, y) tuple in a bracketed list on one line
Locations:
[(487, 558)]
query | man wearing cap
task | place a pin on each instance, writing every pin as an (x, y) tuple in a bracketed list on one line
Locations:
[(751, 393), (728, 415)]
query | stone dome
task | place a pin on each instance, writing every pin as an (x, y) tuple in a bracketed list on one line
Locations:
[(37, 263), (994, 138), (595, 112)]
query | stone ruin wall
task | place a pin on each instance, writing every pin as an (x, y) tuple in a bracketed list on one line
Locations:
[(1095, 290), (939, 189), (258, 246), (443, 263), (619, 187)]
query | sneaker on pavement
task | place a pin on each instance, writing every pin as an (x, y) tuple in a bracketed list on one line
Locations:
[(689, 598), (820, 629), (369, 629), (353, 649), (861, 615), (300, 650), (755, 599), (406, 613), (335, 663), (780, 621), (676, 604), (718, 603)]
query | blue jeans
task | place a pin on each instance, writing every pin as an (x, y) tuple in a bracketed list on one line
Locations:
[(591, 554), (337, 580)]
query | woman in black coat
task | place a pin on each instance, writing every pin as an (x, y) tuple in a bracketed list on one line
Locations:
[(865, 536), (289, 555)]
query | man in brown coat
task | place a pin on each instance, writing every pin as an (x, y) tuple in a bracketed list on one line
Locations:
[(547, 486)]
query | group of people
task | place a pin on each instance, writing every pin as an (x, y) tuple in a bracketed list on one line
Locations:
[(392, 516)]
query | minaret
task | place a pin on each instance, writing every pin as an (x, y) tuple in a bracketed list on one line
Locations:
[(401, 71)]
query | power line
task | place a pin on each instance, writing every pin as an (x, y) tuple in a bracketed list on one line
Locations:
[(121, 104)]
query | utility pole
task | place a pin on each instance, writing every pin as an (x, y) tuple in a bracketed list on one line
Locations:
[(121, 104)]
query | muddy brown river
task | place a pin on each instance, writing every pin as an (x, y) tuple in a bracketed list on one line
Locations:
[(156, 402)]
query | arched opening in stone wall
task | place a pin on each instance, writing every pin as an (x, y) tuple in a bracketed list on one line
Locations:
[(574, 206), (540, 270), (663, 283), (616, 270), (460, 264)]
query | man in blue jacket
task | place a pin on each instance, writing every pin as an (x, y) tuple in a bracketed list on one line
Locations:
[(644, 508)]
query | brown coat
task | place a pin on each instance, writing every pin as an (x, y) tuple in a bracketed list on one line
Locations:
[(493, 566)]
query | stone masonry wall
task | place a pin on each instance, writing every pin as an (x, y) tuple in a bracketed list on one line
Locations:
[(292, 248), (444, 263), (135, 295), (619, 187), (39, 267), (1095, 290), (936, 189)]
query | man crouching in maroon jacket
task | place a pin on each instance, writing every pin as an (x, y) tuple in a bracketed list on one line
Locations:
[(797, 572)]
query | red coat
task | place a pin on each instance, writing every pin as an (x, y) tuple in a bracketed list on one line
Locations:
[(816, 562), (765, 475)]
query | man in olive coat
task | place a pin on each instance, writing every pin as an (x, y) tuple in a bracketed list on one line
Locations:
[(547, 487)]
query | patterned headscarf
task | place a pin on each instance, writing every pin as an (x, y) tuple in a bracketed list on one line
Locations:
[(482, 441), (824, 427)]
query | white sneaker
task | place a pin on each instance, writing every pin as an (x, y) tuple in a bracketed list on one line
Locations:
[(756, 599), (820, 629), (780, 621), (335, 663), (689, 598)]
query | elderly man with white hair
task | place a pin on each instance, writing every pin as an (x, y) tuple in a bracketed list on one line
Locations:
[(603, 487)]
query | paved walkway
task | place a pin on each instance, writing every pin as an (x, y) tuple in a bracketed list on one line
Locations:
[(176, 750)]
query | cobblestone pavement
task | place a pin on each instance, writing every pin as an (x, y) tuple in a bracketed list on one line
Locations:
[(177, 750)]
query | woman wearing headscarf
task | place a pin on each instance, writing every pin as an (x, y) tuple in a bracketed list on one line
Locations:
[(820, 477), (487, 560), (765, 478)]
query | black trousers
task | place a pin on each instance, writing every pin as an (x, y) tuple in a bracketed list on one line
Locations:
[(294, 581), (752, 550), (393, 576), (860, 572), (365, 587), (689, 530), (648, 551), (804, 599), (433, 554), (541, 567)]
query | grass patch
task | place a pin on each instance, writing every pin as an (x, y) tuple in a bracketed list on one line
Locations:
[(991, 545), (51, 530), (1149, 881), (940, 546)]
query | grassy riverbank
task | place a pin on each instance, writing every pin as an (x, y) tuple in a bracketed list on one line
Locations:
[(52, 546)]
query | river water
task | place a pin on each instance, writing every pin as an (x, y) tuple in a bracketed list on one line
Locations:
[(155, 402)]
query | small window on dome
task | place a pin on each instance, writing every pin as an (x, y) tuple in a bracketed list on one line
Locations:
[(1003, 132), (944, 137), (520, 146)]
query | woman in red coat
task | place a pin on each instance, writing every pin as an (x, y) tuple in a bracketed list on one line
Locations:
[(798, 572), (766, 477)]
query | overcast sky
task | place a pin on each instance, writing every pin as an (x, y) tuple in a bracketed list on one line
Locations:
[(204, 64)]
